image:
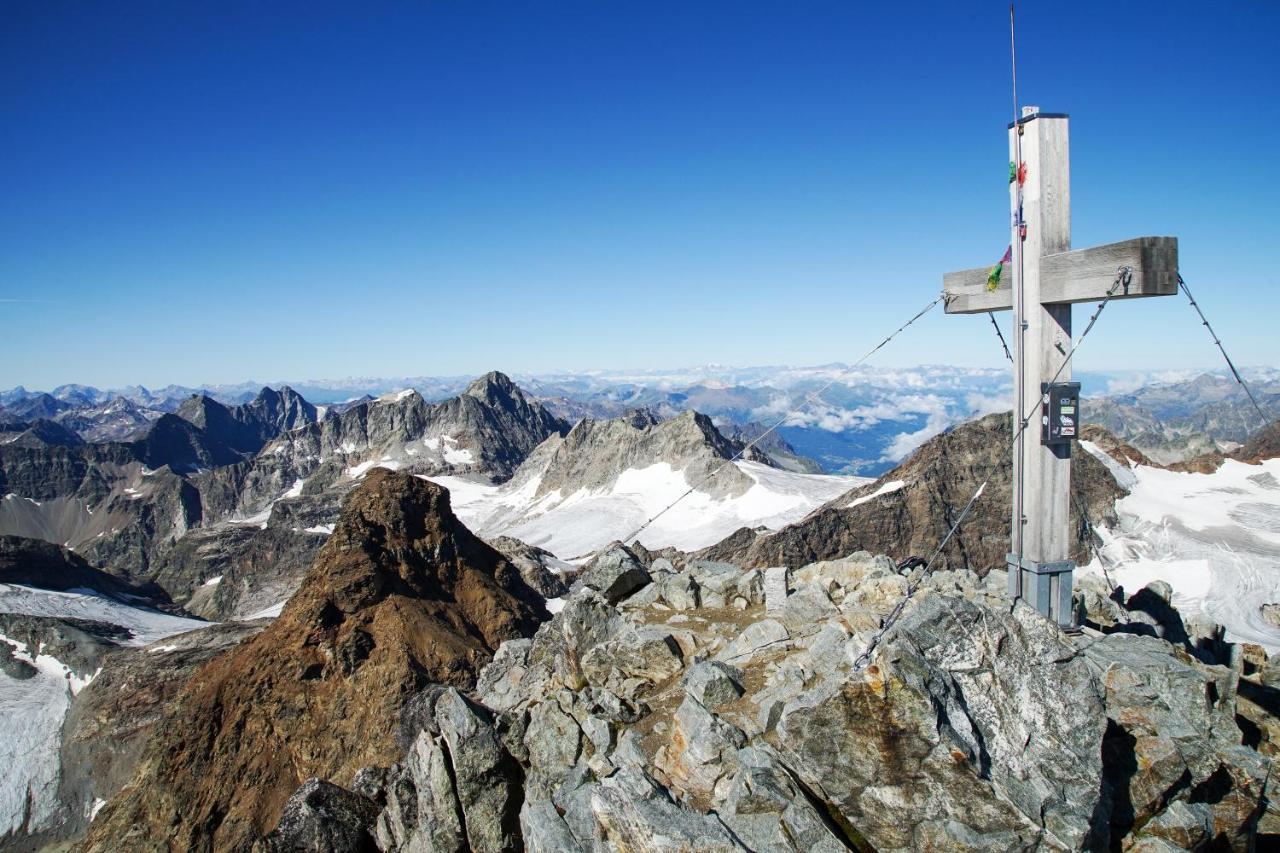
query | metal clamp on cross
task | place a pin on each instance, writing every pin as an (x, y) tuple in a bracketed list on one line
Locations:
[(1048, 278)]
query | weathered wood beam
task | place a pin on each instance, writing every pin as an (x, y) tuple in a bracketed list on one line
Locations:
[(1081, 275)]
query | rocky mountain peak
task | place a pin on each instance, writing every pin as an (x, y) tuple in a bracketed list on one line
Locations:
[(595, 453), (276, 411), (641, 417), (496, 388), (175, 441), (199, 408), (248, 427), (397, 535), (401, 596), (35, 407)]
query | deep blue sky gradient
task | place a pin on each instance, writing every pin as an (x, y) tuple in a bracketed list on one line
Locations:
[(202, 193)]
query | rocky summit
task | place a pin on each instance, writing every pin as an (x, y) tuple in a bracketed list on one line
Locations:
[(401, 597), (722, 709)]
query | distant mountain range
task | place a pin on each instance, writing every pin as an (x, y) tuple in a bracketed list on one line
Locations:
[(869, 420)]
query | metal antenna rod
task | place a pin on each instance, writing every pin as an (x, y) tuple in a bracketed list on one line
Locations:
[(1019, 306)]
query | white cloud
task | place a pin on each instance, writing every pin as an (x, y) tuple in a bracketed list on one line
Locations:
[(985, 404), (904, 443), (833, 419)]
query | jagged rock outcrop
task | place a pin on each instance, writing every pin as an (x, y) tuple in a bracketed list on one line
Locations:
[(323, 818), (458, 787), (401, 596), (540, 569), (615, 573), (909, 510)]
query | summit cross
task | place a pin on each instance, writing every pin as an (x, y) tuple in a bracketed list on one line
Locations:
[(1048, 277)]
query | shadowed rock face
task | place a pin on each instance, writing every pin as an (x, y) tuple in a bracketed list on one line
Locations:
[(37, 433), (401, 596), (936, 482), (34, 562)]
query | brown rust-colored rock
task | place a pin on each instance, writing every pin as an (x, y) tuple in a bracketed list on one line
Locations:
[(402, 595), (1115, 447)]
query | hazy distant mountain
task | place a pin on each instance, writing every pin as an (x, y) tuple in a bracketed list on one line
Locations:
[(1175, 421), (36, 407), (116, 420)]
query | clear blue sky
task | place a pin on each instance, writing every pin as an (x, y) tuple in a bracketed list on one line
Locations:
[(213, 192)]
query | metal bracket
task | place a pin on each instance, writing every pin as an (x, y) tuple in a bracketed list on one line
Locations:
[(1035, 567)]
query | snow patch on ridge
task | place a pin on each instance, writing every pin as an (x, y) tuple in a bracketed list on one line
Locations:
[(887, 489)]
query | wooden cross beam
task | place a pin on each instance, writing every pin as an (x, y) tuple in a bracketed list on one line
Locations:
[(1082, 275), (1041, 284)]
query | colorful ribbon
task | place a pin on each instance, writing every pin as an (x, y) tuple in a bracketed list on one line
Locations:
[(993, 277)]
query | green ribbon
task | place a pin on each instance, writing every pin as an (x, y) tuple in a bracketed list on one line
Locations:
[(993, 277)]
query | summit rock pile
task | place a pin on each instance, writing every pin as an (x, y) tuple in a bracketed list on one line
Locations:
[(666, 721)]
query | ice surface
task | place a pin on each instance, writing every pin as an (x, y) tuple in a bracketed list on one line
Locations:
[(145, 626), (355, 472), (1215, 538), (268, 612), (31, 712), (456, 455)]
